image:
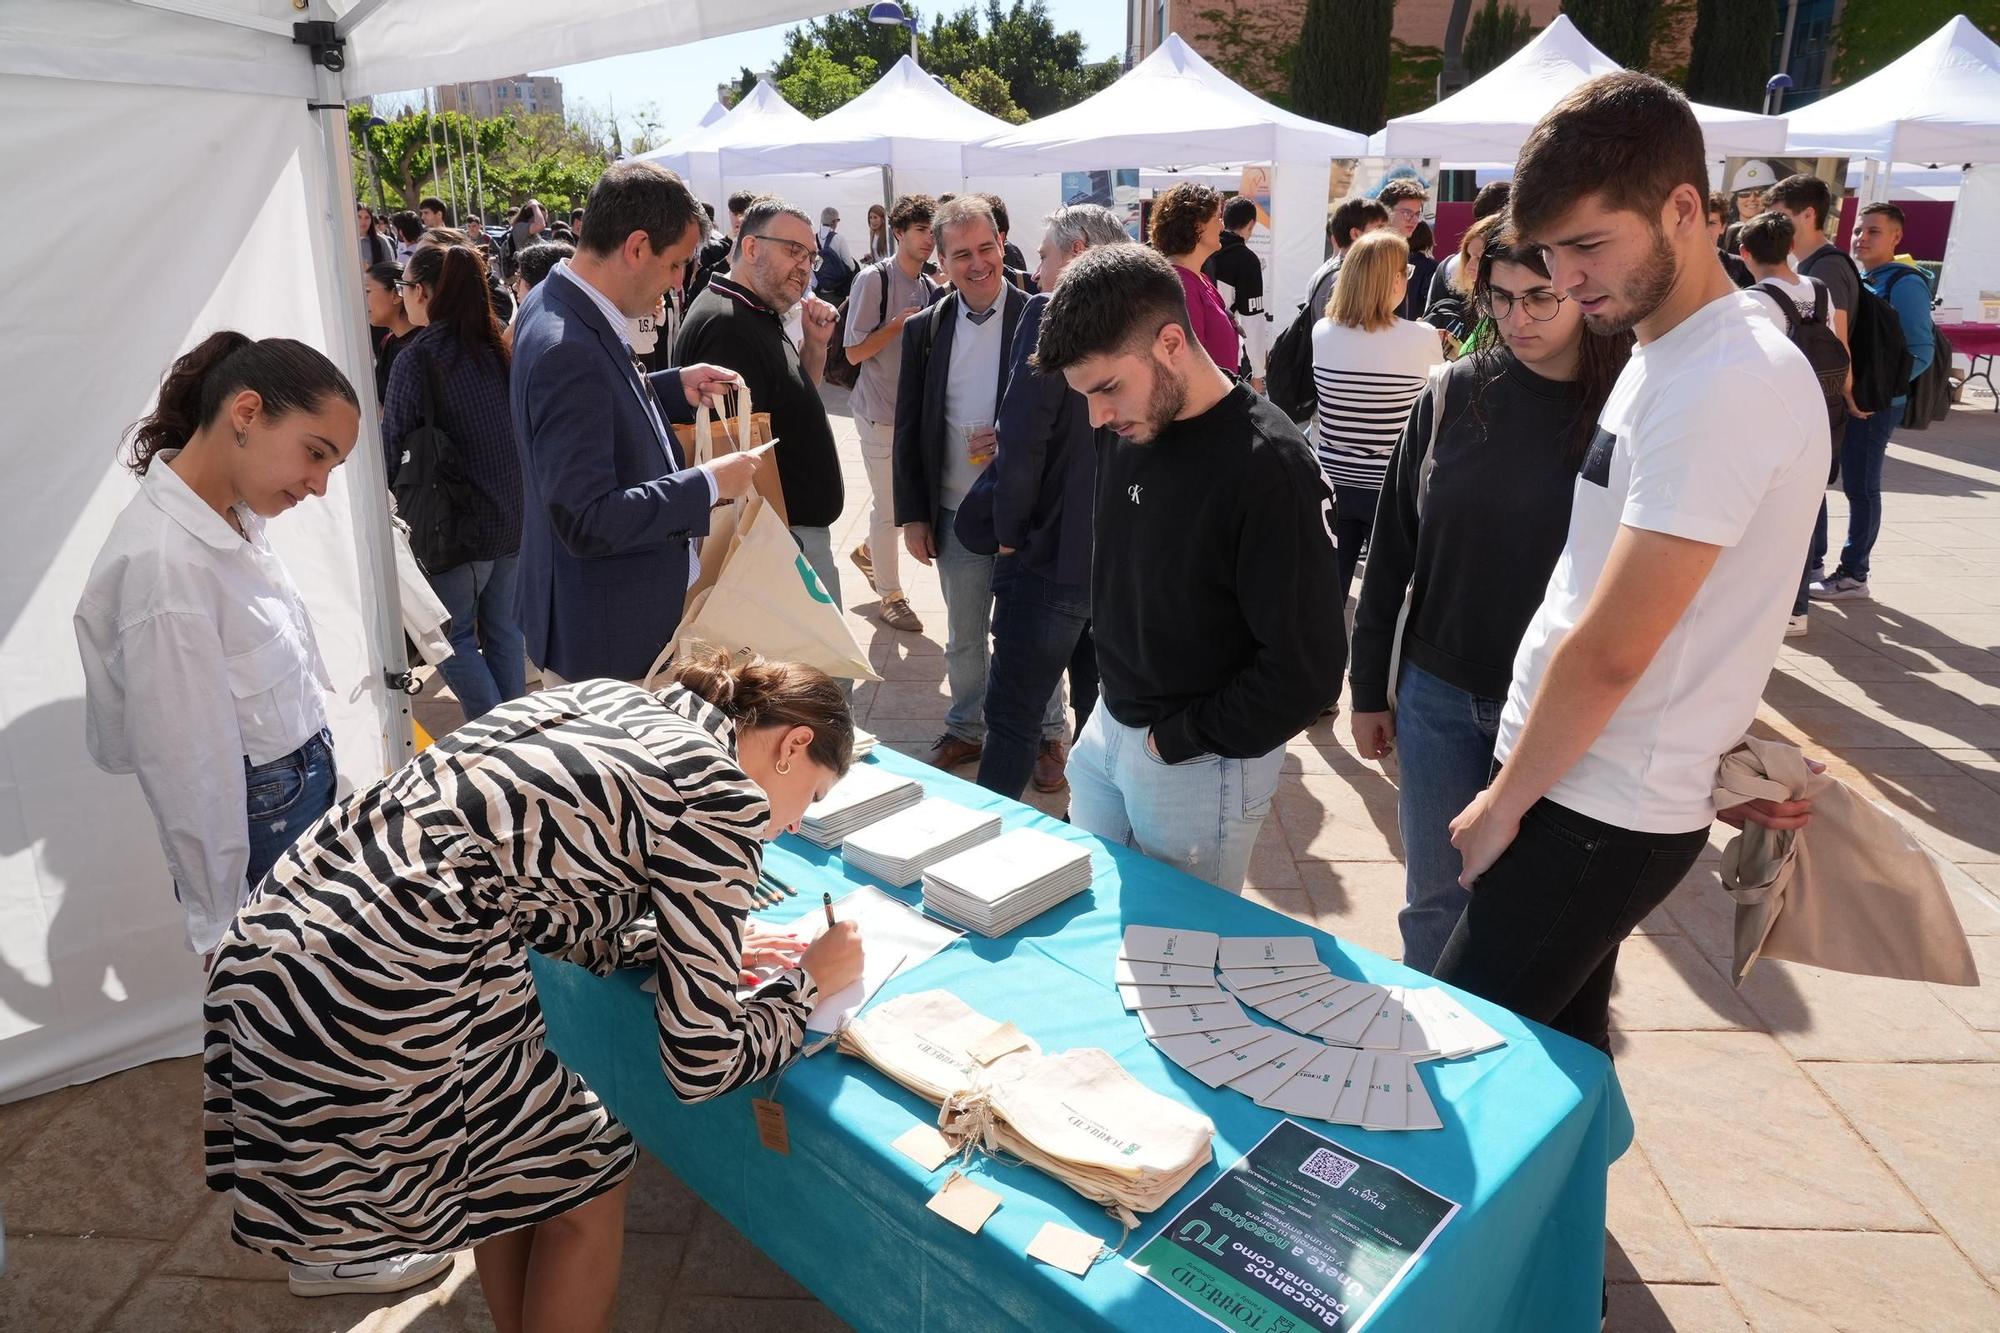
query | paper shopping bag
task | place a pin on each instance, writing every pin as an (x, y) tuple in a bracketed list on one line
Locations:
[(767, 599), (712, 436)]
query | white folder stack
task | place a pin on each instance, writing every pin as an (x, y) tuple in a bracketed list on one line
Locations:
[(898, 849), (868, 793), (1001, 884)]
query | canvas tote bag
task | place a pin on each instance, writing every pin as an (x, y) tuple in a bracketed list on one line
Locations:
[(1852, 891), (765, 598)]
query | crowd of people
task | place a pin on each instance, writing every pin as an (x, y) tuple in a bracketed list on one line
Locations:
[(1579, 568)]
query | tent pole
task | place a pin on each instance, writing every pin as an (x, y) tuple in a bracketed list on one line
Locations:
[(368, 500), (479, 178)]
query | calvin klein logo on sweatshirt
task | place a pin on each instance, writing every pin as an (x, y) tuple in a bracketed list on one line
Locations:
[(1132, 492)]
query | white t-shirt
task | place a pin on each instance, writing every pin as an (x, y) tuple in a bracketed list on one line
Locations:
[(1797, 290), (1672, 455)]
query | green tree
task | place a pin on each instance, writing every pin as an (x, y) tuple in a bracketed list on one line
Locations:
[(1340, 74), (818, 83), (986, 90), (1875, 32), (1252, 45), (1731, 55), (1043, 69), (1494, 34), (1622, 29)]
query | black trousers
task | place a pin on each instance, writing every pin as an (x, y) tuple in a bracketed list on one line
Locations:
[(1542, 931), (1353, 520)]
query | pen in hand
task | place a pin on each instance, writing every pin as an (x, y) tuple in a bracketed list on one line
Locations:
[(827, 899)]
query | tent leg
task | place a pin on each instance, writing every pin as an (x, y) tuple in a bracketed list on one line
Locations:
[(370, 500)]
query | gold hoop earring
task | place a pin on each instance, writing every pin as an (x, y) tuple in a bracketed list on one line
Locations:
[(784, 769)]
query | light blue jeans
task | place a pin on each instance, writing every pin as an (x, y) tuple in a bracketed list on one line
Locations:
[(1201, 816), (489, 654), (1444, 752), (966, 578)]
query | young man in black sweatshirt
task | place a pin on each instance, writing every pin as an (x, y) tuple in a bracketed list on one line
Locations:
[(1208, 587)]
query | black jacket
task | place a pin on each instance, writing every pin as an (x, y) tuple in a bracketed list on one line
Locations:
[(921, 432), (1045, 472)]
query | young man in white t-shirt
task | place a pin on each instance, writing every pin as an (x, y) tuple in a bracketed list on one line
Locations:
[(1650, 651)]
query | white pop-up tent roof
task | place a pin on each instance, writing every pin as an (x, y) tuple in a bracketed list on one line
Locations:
[(223, 122), (763, 118), (716, 111), (1171, 109), (908, 122), (1939, 102), (1488, 120)]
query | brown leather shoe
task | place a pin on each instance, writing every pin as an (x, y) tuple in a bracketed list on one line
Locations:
[(896, 614), (1049, 766), (950, 751), (864, 560)]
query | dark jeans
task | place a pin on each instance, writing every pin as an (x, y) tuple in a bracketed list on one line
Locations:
[(1542, 930), (1353, 520), (1040, 629), (281, 798), (1864, 443), (1816, 548)]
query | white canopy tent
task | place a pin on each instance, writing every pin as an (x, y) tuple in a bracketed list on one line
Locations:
[(1937, 103), (906, 133), (1487, 121), (1175, 109), (229, 135), (763, 117)]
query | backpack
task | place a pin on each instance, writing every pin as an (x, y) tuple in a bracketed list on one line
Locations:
[(836, 275), (1930, 392), (1881, 355), (433, 492), (1288, 370), (1814, 336), (841, 369)]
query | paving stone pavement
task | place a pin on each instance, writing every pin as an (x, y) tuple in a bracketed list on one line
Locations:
[(1814, 1150)]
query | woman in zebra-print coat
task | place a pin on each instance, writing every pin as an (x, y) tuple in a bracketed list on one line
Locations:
[(376, 1075)]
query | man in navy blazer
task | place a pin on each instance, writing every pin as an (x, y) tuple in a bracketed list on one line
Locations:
[(947, 400), (611, 509)]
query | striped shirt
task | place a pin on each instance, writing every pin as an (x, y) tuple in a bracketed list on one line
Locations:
[(1366, 383)]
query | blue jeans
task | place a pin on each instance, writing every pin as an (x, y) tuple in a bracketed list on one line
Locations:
[(1201, 816), (1444, 751), (1863, 446), (1040, 630), (281, 798), (489, 655)]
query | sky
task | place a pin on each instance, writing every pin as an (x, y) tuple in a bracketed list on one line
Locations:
[(679, 83)]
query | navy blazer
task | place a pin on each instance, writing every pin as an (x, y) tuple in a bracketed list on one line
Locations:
[(1045, 473), (920, 437), (609, 508)]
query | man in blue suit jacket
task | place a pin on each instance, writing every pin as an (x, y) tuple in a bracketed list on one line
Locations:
[(610, 507)]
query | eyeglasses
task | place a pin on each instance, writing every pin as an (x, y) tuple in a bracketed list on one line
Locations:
[(1541, 304), (407, 284), (798, 251), (1413, 213)]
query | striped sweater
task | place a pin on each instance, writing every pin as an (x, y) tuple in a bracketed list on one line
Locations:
[(1366, 383)]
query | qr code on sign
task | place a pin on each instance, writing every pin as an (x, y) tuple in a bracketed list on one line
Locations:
[(1329, 1167)]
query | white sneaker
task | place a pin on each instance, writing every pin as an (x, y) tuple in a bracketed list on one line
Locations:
[(1795, 627), (364, 1277), (1839, 587)]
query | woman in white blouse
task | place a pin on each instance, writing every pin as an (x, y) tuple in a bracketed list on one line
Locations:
[(1368, 369), (201, 670)]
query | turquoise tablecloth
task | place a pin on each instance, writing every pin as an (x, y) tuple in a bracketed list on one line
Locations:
[(1529, 1128)]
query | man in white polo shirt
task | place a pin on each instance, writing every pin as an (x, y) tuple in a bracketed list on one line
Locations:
[(1663, 617)]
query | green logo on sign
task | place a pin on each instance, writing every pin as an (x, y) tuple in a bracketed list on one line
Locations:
[(812, 581)]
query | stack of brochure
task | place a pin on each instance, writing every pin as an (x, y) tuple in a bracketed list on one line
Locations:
[(868, 793), (898, 849), (864, 743), (999, 885)]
